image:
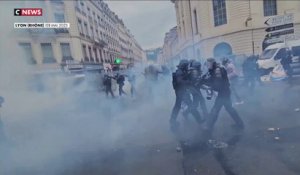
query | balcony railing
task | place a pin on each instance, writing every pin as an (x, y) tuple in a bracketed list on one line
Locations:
[(67, 58), (100, 43)]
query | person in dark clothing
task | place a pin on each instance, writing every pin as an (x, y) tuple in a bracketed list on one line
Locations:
[(165, 70), (195, 77), (107, 83), (286, 64), (180, 84), (258, 72), (217, 79), (250, 70), (120, 81)]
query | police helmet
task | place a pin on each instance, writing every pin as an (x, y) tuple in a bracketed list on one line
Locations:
[(183, 64), (211, 60), (196, 64)]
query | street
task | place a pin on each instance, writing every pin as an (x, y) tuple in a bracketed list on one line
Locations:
[(132, 136), (104, 87)]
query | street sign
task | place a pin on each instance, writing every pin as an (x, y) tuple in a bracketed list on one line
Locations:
[(280, 20), (275, 28), (284, 32)]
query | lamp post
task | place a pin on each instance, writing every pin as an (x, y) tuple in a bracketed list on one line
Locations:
[(247, 20), (190, 9)]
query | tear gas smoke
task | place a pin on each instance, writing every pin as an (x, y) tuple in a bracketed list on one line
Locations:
[(44, 127)]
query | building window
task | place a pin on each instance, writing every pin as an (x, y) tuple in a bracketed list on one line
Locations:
[(27, 53), (80, 27), (97, 35), (59, 17), (220, 16), (100, 54), (94, 15), (91, 54), (83, 9), (84, 53), (86, 32), (89, 11), (196, 22), (66, 51), (92, 32), (77, 5), (96, 54), (270, 7), (47, 53)]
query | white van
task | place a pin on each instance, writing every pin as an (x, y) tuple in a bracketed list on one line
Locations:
[(272, 55)]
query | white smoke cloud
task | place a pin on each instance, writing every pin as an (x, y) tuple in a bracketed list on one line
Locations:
[(42, 127)]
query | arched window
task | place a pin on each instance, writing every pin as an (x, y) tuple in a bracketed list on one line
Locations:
[(222, 49)]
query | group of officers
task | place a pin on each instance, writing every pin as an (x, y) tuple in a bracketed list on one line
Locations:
[(188, 80), (120, 79)]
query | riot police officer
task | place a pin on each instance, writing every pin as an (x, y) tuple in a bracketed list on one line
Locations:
[(108, 85), (121, 82), (217, 79), (195, 76), (180, 84)]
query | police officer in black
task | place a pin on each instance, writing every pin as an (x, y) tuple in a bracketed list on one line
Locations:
[(120, 81), (107, 83), (217, 79), (180, 84), (195, 73)]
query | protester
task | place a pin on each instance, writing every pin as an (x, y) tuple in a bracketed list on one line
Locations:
[(233, 77)]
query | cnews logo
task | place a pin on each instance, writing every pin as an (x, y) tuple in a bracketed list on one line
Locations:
[(28, 12)]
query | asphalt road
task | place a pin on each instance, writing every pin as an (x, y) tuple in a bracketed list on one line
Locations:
[(135, 139)]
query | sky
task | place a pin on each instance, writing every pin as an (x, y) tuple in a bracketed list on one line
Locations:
[(148, 21)]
